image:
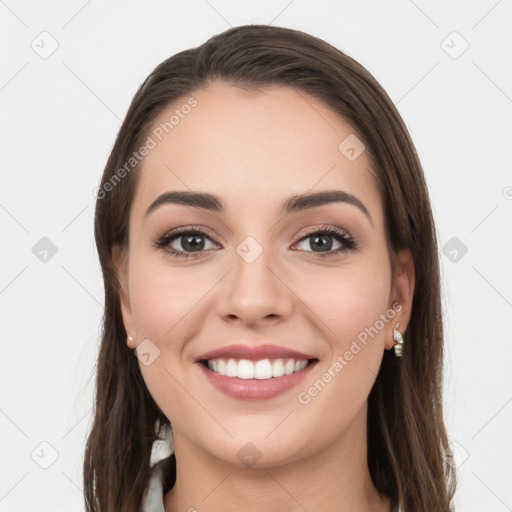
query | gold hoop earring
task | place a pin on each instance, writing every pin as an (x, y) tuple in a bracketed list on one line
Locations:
[(399, 341)]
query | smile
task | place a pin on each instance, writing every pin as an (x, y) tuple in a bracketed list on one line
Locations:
[(262, 369), (263, 379)]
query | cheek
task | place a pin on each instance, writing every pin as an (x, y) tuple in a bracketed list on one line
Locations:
[(163, 299), (164, 305), (352, 305), (356, 344), (159, 307), (348, 300)]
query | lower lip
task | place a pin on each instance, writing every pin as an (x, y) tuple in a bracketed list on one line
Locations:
[(255, 389)]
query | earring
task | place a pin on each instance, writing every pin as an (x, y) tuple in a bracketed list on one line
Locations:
[(399, 341), (130, 338)]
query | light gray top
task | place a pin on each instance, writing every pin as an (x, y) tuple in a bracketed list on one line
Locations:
[(153, 500)]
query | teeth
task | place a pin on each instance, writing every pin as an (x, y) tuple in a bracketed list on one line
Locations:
[(245, 369), (277, 368), (231, 368), (298, 366), (289, 367), (263, 369)]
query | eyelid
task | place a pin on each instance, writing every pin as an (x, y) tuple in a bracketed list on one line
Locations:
[(325, 228), (182, 230)]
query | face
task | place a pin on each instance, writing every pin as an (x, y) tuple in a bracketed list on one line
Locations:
[(312, 279)]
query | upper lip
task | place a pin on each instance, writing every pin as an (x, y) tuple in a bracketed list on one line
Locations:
[(253, 353)]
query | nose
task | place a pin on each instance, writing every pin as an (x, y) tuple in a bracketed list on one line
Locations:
[(254, 293)]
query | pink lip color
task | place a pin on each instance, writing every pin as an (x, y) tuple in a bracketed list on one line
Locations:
[(254, 353), (255, 389)]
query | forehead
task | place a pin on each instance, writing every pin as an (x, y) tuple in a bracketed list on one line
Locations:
[(264, 145)]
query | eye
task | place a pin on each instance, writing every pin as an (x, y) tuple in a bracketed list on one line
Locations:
[(193, 242), (322, 239), (184, 242)]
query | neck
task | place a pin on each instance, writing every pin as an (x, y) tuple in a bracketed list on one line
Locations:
[(334, 479)]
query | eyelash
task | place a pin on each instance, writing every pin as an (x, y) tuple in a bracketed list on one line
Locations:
[(341, 235)]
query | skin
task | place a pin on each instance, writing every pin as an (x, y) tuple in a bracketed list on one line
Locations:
[(255, 149)]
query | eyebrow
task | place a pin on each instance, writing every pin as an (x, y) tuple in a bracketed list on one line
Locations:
[(293, 204)]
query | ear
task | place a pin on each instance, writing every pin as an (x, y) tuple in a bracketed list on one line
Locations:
[(120, 260), (402, 292)]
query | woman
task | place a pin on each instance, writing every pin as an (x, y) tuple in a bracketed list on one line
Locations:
[(270, 258)]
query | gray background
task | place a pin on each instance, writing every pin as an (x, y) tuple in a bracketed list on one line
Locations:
[(68, 71)]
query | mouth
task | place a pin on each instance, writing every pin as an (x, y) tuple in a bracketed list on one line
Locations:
[(262, 369), (262, 379)]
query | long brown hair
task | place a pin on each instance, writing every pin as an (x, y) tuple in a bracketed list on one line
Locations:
[(407, 440)]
